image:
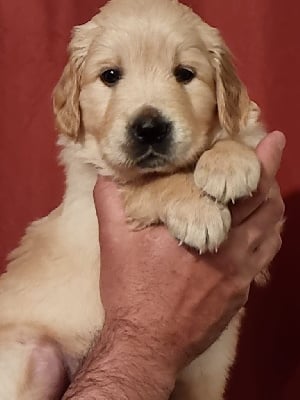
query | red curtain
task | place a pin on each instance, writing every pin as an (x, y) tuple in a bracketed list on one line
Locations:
[(263, 35)]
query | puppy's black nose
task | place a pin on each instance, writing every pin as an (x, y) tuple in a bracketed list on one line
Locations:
[(150, 127)]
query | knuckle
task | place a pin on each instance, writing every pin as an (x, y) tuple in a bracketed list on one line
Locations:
[(277, 242), (281, 206), (278, 207), (272, 248), (254, 239)]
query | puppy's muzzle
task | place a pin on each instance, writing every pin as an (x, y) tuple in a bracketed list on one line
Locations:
[(150, 135)]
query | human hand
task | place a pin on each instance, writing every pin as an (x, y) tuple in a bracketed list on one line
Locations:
[(169, 299)]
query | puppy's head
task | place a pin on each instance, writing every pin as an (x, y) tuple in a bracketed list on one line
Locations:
[(151, 82)]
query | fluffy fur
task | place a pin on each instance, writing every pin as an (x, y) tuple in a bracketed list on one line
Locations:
[(50, 292)]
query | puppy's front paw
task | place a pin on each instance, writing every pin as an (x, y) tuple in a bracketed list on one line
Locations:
[(199, 222), (228, 171)]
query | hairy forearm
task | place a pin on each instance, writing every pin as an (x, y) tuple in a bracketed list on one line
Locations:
[(122, 365)]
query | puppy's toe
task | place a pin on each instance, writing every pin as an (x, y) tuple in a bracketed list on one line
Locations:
[(201, 224), (227, 179)]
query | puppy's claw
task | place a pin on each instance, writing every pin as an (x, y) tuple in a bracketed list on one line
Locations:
[(180, 243)]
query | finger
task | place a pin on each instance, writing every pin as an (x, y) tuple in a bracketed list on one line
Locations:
[(265, 218), (269, 152), (108, 203), (266, 252), (245, 208)]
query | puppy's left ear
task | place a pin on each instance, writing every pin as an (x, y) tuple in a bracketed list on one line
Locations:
[(232, 98), (66, 93)]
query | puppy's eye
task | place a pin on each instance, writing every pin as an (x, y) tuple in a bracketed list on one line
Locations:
[(184, 75), (111, 76)]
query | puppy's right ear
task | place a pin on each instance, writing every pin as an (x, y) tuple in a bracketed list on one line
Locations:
[(66, 93)]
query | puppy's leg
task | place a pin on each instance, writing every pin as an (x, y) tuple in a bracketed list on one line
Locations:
[(191, 216), (206, 377), (31, 366), (228, 171)]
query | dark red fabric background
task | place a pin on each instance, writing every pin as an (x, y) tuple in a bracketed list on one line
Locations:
[(264, 36)]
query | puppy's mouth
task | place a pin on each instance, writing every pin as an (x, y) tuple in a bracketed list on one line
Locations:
[(151, 160)]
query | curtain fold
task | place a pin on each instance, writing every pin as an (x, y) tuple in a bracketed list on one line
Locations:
[(263, 35)]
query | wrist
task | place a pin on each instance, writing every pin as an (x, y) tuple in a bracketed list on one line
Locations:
[(122, 364), (141, 355)]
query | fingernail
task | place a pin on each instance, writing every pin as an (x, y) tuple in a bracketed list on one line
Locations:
[(281, 139)]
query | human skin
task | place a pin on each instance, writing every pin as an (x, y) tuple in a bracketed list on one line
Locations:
[(164, 303)]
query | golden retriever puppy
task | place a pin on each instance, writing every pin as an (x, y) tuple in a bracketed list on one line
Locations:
[(150, 97)]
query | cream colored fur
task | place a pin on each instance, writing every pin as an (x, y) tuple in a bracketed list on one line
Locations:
[(51, 288)]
